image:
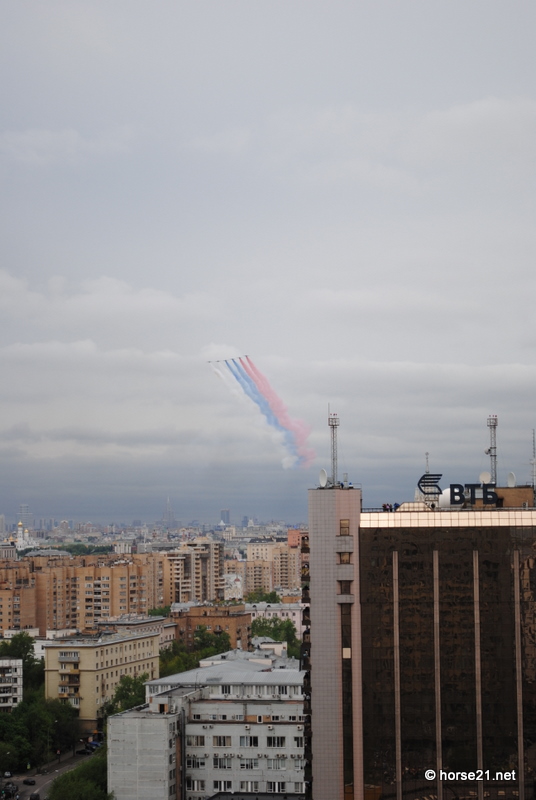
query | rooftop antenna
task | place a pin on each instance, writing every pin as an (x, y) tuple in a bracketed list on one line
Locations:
[(427, 465), (492, 450), (333, 422), (533, 461)]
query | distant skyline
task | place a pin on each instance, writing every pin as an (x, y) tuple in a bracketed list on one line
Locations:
[(345, 192)]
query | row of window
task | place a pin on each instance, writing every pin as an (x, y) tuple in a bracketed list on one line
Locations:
[(245, 741), (196, 785), (226, 762)]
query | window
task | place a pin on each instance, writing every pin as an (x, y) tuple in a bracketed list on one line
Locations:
[(249, 786), (249, 763), (298, 787), (222, 762), (276, 786), (344, 529), (344, 558), (298, 741), (222, 786), (195, 741), (345, 587), (277, 763), (221, 741), (249, 741), (275, 741), (195, 785), (195, 762), (225, 689), (299, 763)]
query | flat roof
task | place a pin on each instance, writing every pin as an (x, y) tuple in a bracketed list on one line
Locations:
[(247, 672), (100, 641), (447, 518)]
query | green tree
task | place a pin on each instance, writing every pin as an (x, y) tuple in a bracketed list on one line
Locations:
[(22, 646), (163, 611), (279, 630), (260, 596), (129, 692), (210, 644), (87, 782)]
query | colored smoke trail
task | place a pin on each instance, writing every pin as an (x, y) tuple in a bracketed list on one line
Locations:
[(257, 387), (296, 427)]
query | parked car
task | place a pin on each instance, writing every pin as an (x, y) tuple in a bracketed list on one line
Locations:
[(83, 752), (35, 796), (29, 781), (8, 774)]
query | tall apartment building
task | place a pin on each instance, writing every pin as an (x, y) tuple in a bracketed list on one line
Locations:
[(259, 576), (11, 674), (240, 729), (194, 572), (85, 671), (65, 592), (423, 645)]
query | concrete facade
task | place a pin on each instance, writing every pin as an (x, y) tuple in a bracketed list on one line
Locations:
[(11, 673), (335, 654), (85, 671), (241, 731)]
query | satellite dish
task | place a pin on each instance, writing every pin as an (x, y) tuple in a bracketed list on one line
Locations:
[(323, 478), (511, 480), (484, 477)]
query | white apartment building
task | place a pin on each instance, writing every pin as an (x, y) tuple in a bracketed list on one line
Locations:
[(240, 729), (10, 683)]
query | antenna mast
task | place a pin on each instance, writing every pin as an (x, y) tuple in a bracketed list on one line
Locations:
[(533, 462), (492, 425), (333, 422)]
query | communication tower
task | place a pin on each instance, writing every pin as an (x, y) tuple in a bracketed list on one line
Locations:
[(333, 422), (492, 450)]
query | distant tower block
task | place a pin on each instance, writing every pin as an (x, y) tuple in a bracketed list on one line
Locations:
[(333, 422), (225, 516), (492, 425)]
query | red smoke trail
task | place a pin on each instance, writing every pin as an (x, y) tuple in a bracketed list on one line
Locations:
[(296, 427)]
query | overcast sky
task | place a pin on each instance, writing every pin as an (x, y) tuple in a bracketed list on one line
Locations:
[(343, 190)]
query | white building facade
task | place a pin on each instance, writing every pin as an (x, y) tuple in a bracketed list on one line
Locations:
[(241, 730), (10, 683)]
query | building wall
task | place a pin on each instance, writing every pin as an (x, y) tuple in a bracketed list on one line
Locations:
[(11, 675), (335, 654), (259, 576), (77, 592), (85, 672), (233, 620), (282, 611), (144, 756), (194, 572)]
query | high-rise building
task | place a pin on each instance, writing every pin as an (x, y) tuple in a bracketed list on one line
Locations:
[(423, 645), (225, 516), (26, 516), (194, 572)]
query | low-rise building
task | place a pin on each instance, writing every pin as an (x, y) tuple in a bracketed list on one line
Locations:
[(282, 611), (85, 671), (11, 674), (240, 726), (233, 620)]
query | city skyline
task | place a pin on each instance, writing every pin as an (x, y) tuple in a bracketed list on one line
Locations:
[(346, 195)]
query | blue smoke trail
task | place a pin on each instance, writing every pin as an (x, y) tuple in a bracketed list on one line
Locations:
[(251, 390)]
